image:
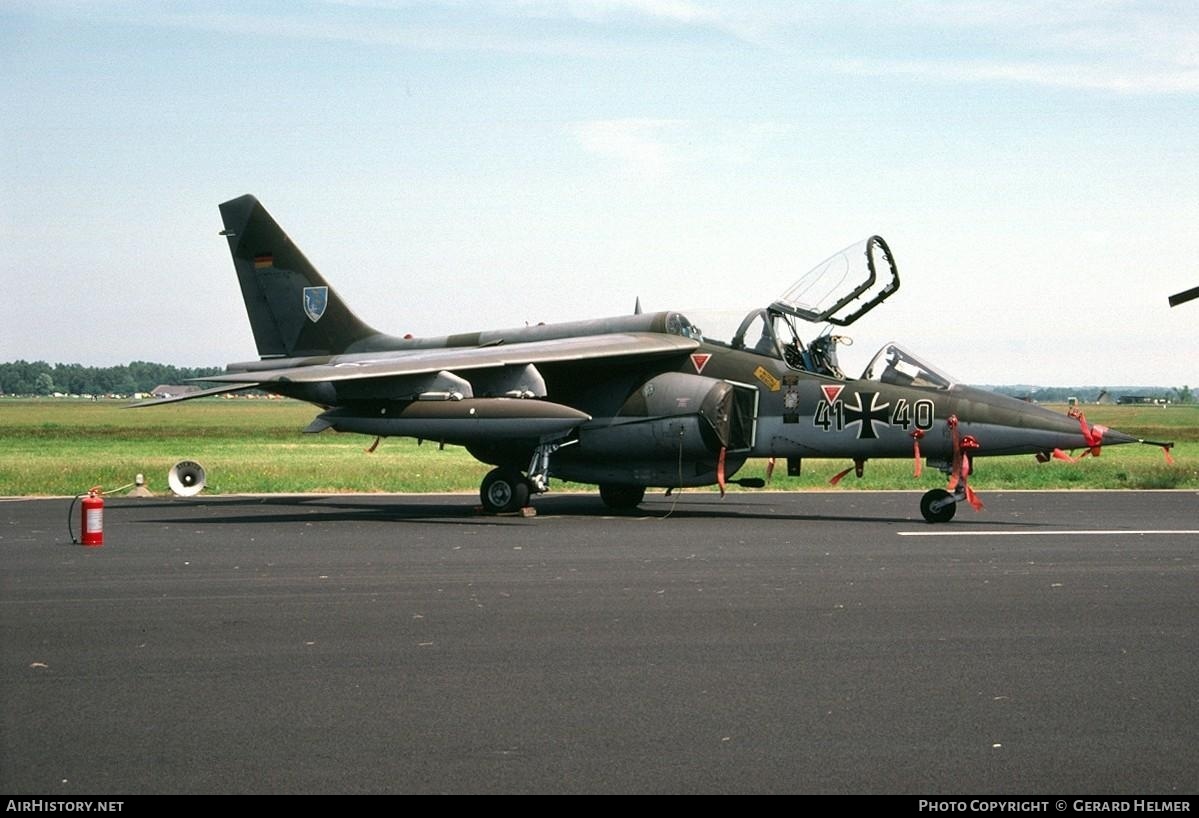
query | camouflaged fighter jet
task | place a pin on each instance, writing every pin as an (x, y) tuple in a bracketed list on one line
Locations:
[(630, 402)]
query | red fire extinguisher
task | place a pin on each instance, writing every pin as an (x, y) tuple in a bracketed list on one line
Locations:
[(93, 518)]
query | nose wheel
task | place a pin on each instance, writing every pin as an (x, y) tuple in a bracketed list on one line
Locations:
[(939, 506)]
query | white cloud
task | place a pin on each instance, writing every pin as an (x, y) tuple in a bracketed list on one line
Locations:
[(1123, 46), (1117, 78), (642, 147), (651, 148), (674, 11), (1117, 46)]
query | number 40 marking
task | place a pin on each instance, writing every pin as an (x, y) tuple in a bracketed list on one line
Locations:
[(921, 412)]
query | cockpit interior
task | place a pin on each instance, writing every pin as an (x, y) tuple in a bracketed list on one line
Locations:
[(772, 333)]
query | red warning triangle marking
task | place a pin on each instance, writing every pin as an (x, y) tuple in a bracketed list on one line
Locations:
[(699, 360), (831, 393)]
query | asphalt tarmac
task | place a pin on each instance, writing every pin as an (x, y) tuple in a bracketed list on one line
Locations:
[(820, 642)]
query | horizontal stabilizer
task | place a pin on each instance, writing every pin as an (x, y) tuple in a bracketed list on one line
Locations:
[(203, 393), (319, 424)]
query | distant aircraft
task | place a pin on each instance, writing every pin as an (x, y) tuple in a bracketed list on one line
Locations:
[(634, 401)]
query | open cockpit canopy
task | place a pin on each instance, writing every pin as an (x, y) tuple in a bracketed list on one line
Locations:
[(844, 287)]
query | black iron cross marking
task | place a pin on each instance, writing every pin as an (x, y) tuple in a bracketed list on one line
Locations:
[(866, 418)]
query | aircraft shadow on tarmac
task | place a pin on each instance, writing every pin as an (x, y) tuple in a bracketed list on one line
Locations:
[(430, 510)]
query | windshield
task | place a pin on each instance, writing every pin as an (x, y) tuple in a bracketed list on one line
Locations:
[(677, 324), (756, 334), (895, 365)]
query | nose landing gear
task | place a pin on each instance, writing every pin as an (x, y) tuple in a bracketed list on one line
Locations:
[(939, 506)]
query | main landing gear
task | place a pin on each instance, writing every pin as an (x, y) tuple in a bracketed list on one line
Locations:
[(505, 490)]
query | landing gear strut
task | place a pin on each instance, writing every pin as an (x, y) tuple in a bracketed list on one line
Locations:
[(539, 465)]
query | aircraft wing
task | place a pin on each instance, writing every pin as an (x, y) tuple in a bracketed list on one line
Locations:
[(638, 345)]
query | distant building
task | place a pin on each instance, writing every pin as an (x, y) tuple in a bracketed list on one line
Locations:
[(1127, 399)]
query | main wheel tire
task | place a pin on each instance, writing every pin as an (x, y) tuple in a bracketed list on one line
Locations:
[(504, 491), (941, 515), (621, 497)]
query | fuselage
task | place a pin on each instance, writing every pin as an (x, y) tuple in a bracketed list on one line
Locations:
[(635, 420)]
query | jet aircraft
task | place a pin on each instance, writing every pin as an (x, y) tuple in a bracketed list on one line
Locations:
[(633, 401)]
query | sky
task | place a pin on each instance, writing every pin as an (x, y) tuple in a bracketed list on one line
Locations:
[(452, 166)]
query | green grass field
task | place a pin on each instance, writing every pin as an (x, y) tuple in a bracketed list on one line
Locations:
[(62, 447)]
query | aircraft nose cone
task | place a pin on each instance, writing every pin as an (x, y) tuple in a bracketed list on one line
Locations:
[(1085, 432), (1113, 437), (1005, 425)]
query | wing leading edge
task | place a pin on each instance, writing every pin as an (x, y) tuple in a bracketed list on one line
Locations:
[(634, 345)]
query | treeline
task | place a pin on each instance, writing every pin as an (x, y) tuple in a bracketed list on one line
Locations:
[(41, 378), (1091, 394)]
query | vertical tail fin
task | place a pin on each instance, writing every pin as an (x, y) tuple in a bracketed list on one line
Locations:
[(293, 311)]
